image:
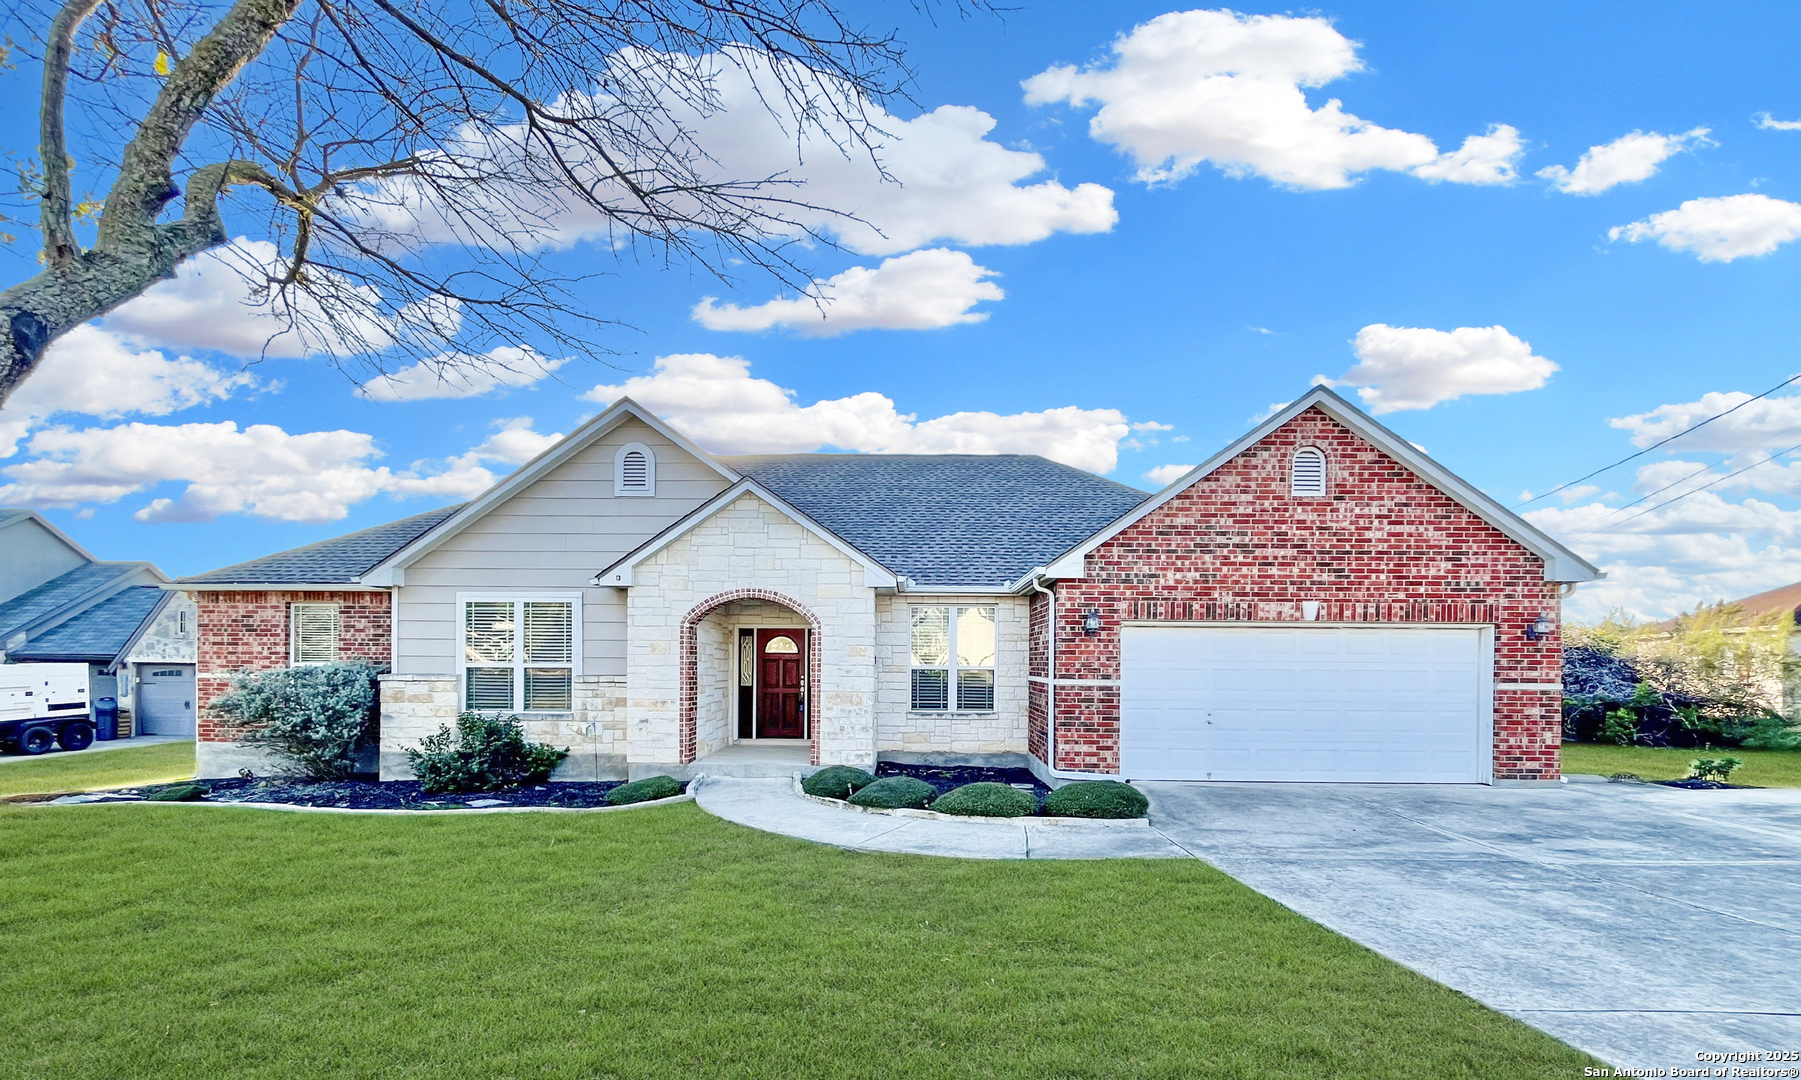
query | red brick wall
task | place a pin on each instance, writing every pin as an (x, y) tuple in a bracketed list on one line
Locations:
[(1384, 546), (248, 631)]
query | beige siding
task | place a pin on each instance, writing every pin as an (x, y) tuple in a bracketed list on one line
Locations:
[(553, 535)]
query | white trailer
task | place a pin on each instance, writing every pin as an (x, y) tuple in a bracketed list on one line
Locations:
[(42, 705)]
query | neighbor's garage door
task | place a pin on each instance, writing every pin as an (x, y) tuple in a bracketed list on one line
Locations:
[(1308, 703)]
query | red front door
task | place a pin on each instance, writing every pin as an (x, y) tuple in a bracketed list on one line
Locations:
[(781, 684)]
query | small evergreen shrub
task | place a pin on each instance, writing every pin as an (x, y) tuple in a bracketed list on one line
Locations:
[(319, 716), (836, 782), (181, 793), (1097, 799), (651, 787), (1717, 769), (895, 793), (986, 800), (484, 753)]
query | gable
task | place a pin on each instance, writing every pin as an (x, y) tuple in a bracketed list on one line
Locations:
[(1398, 458), (1381, 528)]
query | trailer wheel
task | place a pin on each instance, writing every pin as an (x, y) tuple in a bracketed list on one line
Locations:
[(37, 740), (76, 735)]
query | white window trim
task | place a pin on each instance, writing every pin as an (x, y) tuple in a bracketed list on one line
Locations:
[(519, 663), (650, 475), (951, 666), (1325, 472), (294, 610)]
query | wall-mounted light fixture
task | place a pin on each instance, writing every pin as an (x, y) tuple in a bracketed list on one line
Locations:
[(1091, 622), (1540, 627)]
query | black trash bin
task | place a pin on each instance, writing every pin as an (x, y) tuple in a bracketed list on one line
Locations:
[(106, 718)]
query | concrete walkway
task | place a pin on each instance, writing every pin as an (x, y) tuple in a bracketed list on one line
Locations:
[(98, 747), (772, 805), (1642, 924)]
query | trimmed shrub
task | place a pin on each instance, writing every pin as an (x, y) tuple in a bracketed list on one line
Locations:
[(651, 787), (986, 800), (1097, 799), (895, 793), (181, 793), (320, 716), (484, 753), (836, 782)]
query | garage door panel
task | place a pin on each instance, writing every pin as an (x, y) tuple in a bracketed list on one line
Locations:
[(1344, 704)]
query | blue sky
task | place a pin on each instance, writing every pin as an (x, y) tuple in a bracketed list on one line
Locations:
[(1147, 318)]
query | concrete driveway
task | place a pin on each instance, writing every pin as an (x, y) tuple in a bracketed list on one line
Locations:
[(1639, 923)]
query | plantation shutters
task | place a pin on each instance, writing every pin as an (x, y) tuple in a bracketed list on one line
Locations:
[(314, 634), (519, 655), (953, 648)]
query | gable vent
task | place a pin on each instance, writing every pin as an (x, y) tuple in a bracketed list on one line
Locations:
[(1307, 476), (634, 470)]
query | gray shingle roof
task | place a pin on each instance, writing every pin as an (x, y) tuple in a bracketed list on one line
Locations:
[(98, 634), (338, 561), (30, 606), (946, 519)]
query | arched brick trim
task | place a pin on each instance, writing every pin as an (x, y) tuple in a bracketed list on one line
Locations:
[(690, 660)]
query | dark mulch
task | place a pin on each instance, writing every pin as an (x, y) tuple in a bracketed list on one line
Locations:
[(946, 777), (1697, 784), (392, 795)]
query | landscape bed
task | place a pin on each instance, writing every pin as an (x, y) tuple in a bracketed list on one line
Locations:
[(372, 795)]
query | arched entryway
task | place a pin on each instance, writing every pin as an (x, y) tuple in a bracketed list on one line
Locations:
[(696, 698)]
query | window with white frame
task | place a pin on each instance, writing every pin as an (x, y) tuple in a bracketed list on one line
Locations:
[(313, 634), (953, 658), (519, 653), (634, 470)]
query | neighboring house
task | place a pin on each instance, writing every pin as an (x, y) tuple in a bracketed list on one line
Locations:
[(59, 604), (1320, 601)]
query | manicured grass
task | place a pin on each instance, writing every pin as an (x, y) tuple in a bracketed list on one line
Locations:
[(108, 769), (196, 942), (1762, 768)]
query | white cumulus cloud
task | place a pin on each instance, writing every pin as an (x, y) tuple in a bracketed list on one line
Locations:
[(945, 179), (717, 401), (260, 470), (1405, 367), (1193, 87), (1719, 229), (923, 290), (93, 372), (1165, 475), (1626, 160), (1750, 424), (1770, 123), (461, 376)]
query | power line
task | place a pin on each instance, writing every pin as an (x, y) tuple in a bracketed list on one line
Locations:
[(1660, 442), (1689, 476), (1696, 491)]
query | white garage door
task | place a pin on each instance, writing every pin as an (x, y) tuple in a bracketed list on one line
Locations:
[(1306, 703)]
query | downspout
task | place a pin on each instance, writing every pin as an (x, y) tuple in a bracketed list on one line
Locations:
[(1050, 691)]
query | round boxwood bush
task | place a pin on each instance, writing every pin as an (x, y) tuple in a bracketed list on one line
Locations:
[(895, 793), (986, 800), (836, 782), (651, 787), (1097, 799)]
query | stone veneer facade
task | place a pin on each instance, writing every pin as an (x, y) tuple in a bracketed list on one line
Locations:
[(1384, 547), (415, 706)]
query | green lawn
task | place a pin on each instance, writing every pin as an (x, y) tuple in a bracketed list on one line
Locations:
[(190, 942), (1762, 768), (108, 769)]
